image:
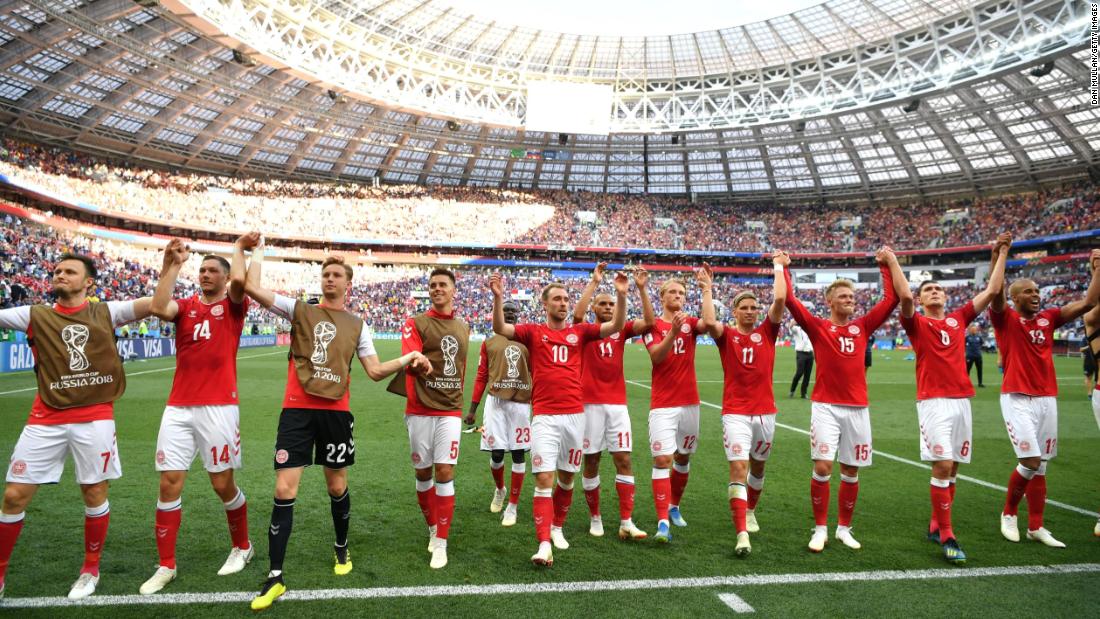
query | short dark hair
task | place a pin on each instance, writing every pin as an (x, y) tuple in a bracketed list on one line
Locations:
[(90, 269), (920, 288), (441, 271), (221, 261)]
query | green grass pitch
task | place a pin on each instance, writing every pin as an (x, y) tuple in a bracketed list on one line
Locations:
[(388, 537)]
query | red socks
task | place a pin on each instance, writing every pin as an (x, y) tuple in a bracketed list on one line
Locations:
[(941, 508), (819, 495), (624, 487), (518, 470), (425, 496), (96, 520), (10, 527), (662, 492), (563, 498), (498, 473), (738, 506), (167, 528), (846, 500), (543, 512), (1017, 487), (444, 496), (679, 479), (1036, 502)]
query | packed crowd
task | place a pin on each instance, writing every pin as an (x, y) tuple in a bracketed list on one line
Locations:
[(486, 216)]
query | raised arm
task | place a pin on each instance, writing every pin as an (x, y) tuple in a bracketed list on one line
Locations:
[(1072, 311), (888, 266), (238, 269), (618, 319), (252, 286), (780, 262), (175, 255), (995, 285), (705, 278), (496, 285), (658, 353), (998, 303), (581, 310), (798, 311), (649, 318), (885, 256)]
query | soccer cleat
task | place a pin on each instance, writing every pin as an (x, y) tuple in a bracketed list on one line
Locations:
[(1044, 537), (818, 540), (1009, 529), (158, 580), (750, 522), (743, 547), (664, 534), (545, 555), (628, 531), (675, 517), (439, 555), (498, 500), (509, 519), (272, 590), (1, 590), (558, 537), (431, 539), (1095, 532), (84, 586), (953, 553), (342, 561), (237, 560), (934, 537), (844, 534), (595, 527)]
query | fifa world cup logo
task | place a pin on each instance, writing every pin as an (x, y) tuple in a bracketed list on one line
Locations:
[(75, 338), (512, 355), (449, 346), (323, 334)]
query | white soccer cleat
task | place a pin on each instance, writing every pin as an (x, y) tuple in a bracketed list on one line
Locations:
[(1044, 537), (545, 555), (595, 527), (439, 555), (1095, 532), (237, 560), (158, 580), (818, 539), (509, 519), (750, 522), (498, 500), (84, 586), (558, 537), (1009, 529), (844, 534), (743, 547), (431, 539), (628, 531)]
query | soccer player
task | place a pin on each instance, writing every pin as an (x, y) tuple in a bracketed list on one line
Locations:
[(504, 367), (944, 389), (1029, 393), (748, 399), (201, 416), (607, 420), (804, 359), (79, 377), (1092, 349), (673, 402), (840, 422), (557, 427), (433, 406), (316, 423), (974, 352)]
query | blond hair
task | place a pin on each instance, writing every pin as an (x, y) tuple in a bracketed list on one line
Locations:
[(741, 296), (840, 283), (337, 260), (668, 282)]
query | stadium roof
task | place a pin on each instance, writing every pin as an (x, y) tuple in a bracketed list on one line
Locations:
[(118, 77)]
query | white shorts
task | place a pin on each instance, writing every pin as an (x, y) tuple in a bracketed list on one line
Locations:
[(556, 442), (39, 456), (507, 425), (1096, 405), (946, 431), (433, 439), (212, 431), (841, 432), (1032, 424), (606, 426), (747, 436), (673, 429)]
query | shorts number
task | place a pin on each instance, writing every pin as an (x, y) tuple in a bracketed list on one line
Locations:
[(863, 452), (678, 346), (560, 353), (847, 345), (624, 439), (1051, 444), (224, 458), (337, 453), (575, 457), (762, 447), (965, 449), (454, 450), (689, 441), (606, 349), (202, 330), (747, 356), (945, 338), (523, 435), (1037, 336), (106, 459)]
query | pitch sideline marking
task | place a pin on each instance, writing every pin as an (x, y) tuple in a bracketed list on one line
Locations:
[(974, 480), (560, 587), (735, 603)]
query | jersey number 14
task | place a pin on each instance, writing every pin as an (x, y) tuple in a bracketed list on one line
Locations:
[(202, 330)]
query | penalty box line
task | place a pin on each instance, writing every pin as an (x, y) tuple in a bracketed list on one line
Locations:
[(562, 587), (973, 480)]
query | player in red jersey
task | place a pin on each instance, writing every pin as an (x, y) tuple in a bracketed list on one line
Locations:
[(748, 399), (944, 389), (673, 402), (607, 420), (840, 422), (1029, 404), (557, 428), (79, 377), (202, 415), (316, 425), (1092, 348)]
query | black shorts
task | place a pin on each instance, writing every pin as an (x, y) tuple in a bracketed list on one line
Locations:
[(310, 436), (1090, 363), (867, 354)]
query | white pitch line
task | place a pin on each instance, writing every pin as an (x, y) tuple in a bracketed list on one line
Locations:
[(974, 480), (735, 603), (560, 587), (129, 374)]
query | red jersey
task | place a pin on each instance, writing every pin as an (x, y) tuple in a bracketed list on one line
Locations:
[(555, 357), (940, 346), (481, 381), (1027, 350), (839, 350), (602, 381), (207, 339), (411, 341), (747, 363), (674, 378)]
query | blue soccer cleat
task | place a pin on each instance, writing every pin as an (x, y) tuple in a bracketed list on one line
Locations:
[(664, 535), (953, 553), (675, 517)]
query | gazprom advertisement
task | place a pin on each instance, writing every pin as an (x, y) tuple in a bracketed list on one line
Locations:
[(16, 356)]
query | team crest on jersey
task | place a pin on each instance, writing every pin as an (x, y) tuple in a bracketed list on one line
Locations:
[(951, 322), (416, 458), (736, 449), (160, 456), (545, 339), (823, 448), (587, 443), (537, 460), (614, 336), (1042, 322), (490, 440), (571, 338), (656, 445), (282, 456), (1025, 446), (756, 339), (217, 310), (685, 328), (18, 467), (853, 329), (938, 450)]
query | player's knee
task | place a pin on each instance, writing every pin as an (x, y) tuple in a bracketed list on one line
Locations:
[(286, 489), (662, 462), (224, 485), (497, 455), (544, 480), (756, 467), (518, 456), (850, 471), (336, 486), (171, 485), (424, 474), (942, 469), (622, 462), (94, 494), (823, 468), (16, 498), (444, 473), (1032, 463), (738, 470)]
